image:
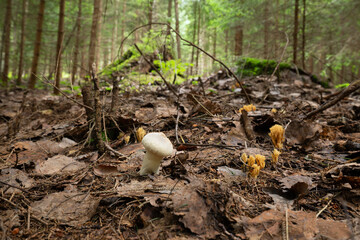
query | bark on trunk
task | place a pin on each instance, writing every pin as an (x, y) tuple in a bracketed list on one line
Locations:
[(214, 47), (22, 42), (77, 43), (123, 27), (7, 44), (37, 47), (98, 38), (238, 40), (169, 17), (150, 13), (177, 29), (59, 47), (198, 39), (194, 35), (266, 30), (94, 32), (114, 34), (303, 35), (295, 34)]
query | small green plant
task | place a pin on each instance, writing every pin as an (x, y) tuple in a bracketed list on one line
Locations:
[(342, 85)]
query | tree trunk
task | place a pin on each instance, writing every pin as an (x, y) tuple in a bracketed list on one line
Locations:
[(194, 35), (77, 43), (123, 27), (169, 17), (7, 44), (176, 5), (34, 65), (22, 42), (295, 34), (99, 37), (266, 29), (226, 42), (277, 51), (238, 40), (59, 46), (94, 33), (114, 34), (198, 38), (214, 47), (150, 13), (303, 35)]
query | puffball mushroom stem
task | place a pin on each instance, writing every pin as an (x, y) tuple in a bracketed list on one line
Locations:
[(151, 163), (157, 146)]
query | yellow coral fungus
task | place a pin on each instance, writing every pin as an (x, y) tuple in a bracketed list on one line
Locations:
[(254, 171), (248, 108), (251, 160), (244, 157), (275, 156), (277, 136), (140, 133), (260, 160), (273, 110)]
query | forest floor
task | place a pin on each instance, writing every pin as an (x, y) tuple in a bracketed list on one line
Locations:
[(55, 185)]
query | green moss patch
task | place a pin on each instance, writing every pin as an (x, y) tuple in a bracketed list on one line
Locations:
[(255, 66)]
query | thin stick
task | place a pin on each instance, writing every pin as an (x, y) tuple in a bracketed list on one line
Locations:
[(282, 56), (346, 92), (28, 218), (287, 224), (323, 209), (64, 94), (195, 46), (156, 70)]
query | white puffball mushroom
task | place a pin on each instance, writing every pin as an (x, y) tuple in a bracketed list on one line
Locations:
[(157, 146)]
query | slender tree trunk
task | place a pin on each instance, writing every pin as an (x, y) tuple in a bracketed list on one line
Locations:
[(114, 34), (176, 5), (169, 17), (99, 37), (198, 38), (266, 29), (214, 46), (59, 47), (277, 31), (123, 27), (226, 42), (303, 35), (7, 44), (295, 34), (238, 40), (194, 34), (150, 13), (34, 65), (77, 43), (94, 32), (22, 42), (2, 48)]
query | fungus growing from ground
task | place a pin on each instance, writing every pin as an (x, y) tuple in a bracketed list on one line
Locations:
[(277, 135), (275, 156), (254, 171), (260, 160), (251, 160), (157, 146)]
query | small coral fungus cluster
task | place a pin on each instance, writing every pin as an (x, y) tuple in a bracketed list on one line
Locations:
[(254, 163), (277, 137)]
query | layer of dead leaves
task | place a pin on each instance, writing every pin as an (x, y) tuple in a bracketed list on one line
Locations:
[(55, 185)]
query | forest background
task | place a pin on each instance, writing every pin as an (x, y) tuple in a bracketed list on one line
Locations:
[(56, 39)]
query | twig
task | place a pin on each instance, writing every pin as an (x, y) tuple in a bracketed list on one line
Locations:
[(177, 124), (282, 56), (344, 93), (114, 151), (156, 70), (64, 94), (195, 46), (13, 186), (323, 209), (287, 223), (201, 105)]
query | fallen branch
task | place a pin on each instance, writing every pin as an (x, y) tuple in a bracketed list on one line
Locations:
[(156, 70), (344, 93), (195, 46)]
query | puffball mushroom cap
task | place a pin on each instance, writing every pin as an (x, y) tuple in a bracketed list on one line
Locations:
[(157, 146)]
